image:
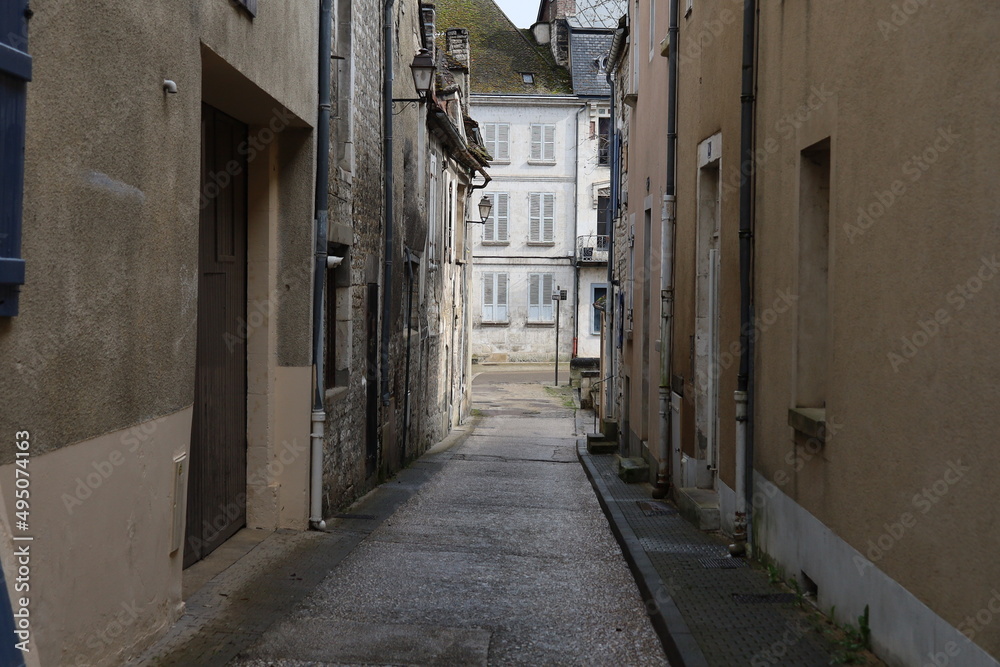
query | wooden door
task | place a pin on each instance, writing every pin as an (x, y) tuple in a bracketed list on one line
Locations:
[(217, 481)]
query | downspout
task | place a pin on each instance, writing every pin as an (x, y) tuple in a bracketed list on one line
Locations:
[(669, 217), (319, 277), (744, 390), (609, 299), (576, 262), (409, 347), (388, 186)]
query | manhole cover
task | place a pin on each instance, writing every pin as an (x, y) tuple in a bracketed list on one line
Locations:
[(764, 598), (722, 563), (653, 508)]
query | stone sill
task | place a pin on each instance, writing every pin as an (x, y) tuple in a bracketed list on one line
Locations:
[(543, 163), (495, 324), (501, 163), (335, 394), (495, 243), (540, 324), (808, 421), (543, 243)]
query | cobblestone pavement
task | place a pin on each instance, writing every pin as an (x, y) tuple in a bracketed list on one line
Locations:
[(499, 553), (733, 613)]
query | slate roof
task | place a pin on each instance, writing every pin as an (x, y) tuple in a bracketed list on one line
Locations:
[(588, 49), (500, 52)]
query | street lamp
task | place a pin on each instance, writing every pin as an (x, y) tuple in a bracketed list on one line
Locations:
[(422, 68), (485, 206)]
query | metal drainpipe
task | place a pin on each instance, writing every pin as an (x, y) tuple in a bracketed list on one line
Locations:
[(409, 346), (667, 264), (388, 186), (318, 419), (609, 299), (744, 391)]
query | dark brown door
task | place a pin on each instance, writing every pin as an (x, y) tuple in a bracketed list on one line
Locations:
[(216, 506)]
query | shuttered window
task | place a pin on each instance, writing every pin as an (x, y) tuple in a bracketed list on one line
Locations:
[(496, 229), (541, 217), (496, 136), (543, 142), (15, 72), (540, 286), (494, 297)]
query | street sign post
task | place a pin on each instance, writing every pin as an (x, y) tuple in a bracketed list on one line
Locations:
[(558, 296)]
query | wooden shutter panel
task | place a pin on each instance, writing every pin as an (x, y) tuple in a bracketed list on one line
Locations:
[(536, 142), (489, 229), (549, 152), (490, 138), (501, 205), (535, 218), (548, 217), (501, 308), (488, 297), (15, 72), (503, 142)]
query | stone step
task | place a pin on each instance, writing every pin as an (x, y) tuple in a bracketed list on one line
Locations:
[(633, 470), (596, 444), (700, 507)]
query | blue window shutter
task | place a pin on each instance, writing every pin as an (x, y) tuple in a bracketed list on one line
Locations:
[(15, 72)]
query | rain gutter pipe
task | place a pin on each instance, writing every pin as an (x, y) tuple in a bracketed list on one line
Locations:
[(319, 277), (388, 186), (744, 389), (609, 302), (668, 219)]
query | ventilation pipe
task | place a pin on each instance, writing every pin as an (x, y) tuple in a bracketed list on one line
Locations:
[(669, 217), (319, 278), (744, 388)]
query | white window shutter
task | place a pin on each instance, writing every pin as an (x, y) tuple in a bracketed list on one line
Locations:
[(536, 142), (488, 297), (535, 217), (547, 288), (501, 309), (501, 204), (489, 229), (549, 152), (503, 142), (490, 138), (548, 217)]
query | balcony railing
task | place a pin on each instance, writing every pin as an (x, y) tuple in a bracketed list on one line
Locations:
[(592, 249)]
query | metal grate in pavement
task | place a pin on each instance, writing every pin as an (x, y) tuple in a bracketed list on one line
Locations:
[(725, 563), (764, 598)]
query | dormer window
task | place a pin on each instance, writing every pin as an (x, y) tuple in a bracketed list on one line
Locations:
[(527, 77)]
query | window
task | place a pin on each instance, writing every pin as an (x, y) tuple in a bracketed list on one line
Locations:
[(527, 77), (603, 204), (330, 370), (541, 216), (652, 27), (494, 297), (496, 229), (604, 141), (496, 136), (15, 71), (543, 142), (250, 5), (540, 287), (597, 292)]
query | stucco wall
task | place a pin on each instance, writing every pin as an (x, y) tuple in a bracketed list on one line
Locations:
[(905, 98)]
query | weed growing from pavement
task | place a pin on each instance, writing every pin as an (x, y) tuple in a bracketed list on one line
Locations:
[(564, 393)]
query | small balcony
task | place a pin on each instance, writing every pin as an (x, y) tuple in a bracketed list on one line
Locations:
[(592, 249)]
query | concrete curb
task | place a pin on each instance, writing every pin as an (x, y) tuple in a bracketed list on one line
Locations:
[(679, 644)]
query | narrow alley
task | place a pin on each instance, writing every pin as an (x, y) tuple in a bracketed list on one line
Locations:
[(500, 555)]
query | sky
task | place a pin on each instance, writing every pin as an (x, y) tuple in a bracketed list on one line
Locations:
[(522, 12)]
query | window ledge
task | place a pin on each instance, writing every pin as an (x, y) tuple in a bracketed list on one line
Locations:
[(539, 323), (335, 394), (500, 243), (491, 323), (546, 163), (808, 421), (496, 162), (548, 243)]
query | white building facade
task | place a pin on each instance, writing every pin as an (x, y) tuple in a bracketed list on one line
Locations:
[(546, 191)]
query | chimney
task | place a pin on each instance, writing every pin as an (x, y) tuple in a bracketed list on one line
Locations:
[(458, 45), (428, 15)]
